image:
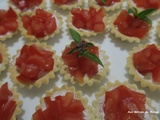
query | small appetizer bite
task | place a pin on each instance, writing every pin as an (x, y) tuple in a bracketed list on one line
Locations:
[(143, 64), (83, 62), (67, 4), (63, 104), (23, 6), (108, 5), (131, 25), (122, 101), (4, 57), (87, 22), (145, 4), (8, 23), (33, 65), (41, 25), (9, 102)]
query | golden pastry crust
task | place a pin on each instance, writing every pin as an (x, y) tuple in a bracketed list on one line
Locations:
[(77, 94), (10, 34), (32, 37), (123, 37), (158, 29), (137, 76), (28, 11), (102, 71), (110, 86), (43, 80), (107, 8), (69, 6), (15, 97), (84, 32), (5, 57), (131, 4)]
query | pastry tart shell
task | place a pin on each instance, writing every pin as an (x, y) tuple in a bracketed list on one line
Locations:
[(43, 80), (85, 32), (107, 8), (137, 76), (121, 36), (77, 94), (109, 86), (102, 71), (15, 97), (5, 57), (45, 38)]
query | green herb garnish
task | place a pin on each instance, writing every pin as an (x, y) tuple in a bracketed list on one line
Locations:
[(143, 15), (82, 47), (104, 1)]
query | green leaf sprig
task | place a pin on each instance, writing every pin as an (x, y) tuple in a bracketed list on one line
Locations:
[(82, 48), (104, 1), (143, 15)]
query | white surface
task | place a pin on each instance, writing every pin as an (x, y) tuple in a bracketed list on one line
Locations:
[(115, 49)]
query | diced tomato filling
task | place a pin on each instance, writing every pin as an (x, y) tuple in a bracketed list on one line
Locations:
[(7, 105), (26, 4), (40, 24), (108, 2), (146, 4), (117, 105), (131, 26), (148, 61), (62, 108), (8, 21), (65, 2), (79, 67), (91, 19), (1, 58), (33, 63)]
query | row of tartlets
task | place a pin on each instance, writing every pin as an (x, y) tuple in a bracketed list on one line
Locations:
[(109, 5), (65, 103), (129, 25), (36, 63)]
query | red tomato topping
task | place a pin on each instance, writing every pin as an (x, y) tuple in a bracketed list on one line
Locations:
[(1, 58), (26, 4), (78, 67), (7, 105), (62, 108), (117, 105), (108, 2), (33, 63), (39, 25), (147, 3), (131, 26), (91, 19), (148, 61), (8, 21), (65, 2)]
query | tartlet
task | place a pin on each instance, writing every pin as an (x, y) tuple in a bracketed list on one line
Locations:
[(87, 21), (108, 6), (145, 5), (4, 57), (9, 100), (131, 27), (145, 69), (66, 102), (83, 62), (26, 6), (129, 110), (41, 25), (9, 23), (66, 5), (34, 65)]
